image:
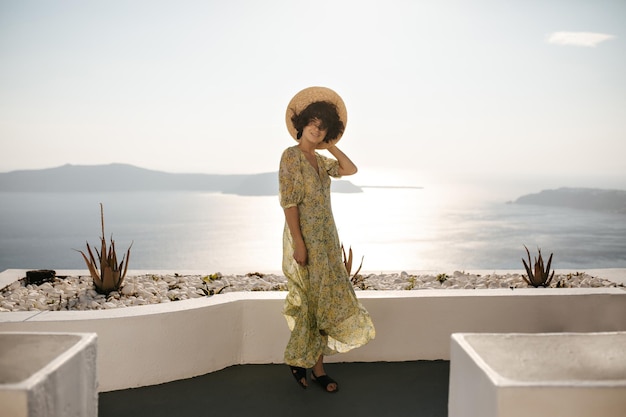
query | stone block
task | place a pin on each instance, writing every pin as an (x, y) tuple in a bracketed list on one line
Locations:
[(48, 374), (542, 374)]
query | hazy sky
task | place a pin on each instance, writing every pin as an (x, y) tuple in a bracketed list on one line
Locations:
[(437, 88)]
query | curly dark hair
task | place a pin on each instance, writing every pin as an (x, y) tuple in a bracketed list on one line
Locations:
[(324, 111)]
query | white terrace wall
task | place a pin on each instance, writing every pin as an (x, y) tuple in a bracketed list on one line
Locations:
[(152, 344)]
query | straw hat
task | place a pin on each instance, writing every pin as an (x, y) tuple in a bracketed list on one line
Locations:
[(310, 95)]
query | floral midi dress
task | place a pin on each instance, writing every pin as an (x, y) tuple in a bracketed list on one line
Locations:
[(321, 308)]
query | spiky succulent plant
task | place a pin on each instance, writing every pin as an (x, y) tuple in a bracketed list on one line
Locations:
[(111, 275), (540, 276), (347, 261)]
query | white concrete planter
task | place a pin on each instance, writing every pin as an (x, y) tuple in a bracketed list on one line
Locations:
[(153, 344), (549, 374), (47, 375)]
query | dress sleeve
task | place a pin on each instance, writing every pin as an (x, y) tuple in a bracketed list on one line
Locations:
[(290, 181), (331, 166)]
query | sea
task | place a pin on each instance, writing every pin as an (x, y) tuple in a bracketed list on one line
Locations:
[(388, 229)]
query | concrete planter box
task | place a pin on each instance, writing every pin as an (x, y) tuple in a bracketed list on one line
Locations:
[(48, 374), (550, 374)]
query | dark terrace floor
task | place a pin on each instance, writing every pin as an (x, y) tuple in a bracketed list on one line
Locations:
[(416, 388)]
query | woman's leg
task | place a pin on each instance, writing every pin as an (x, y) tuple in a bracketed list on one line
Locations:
[(318, 372)]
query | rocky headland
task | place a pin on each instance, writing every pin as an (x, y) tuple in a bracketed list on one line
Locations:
[(579, 198)]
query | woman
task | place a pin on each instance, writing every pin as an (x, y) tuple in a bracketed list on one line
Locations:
[(321, 308)]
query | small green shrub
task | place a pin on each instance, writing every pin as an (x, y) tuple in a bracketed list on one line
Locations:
[(442, 278), (411, 284), (213, 277)]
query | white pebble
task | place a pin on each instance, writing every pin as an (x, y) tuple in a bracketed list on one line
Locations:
[(128, 289)]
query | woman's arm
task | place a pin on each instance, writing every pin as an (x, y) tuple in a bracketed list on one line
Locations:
[(292, 216), (346, 166)]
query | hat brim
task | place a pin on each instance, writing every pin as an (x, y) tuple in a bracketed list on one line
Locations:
[(310, 95)]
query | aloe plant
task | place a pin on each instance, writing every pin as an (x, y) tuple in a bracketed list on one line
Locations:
[(347, 262), (111, 275), (540, 276)]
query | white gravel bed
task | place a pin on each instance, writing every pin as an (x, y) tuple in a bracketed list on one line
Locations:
[(78, 292)]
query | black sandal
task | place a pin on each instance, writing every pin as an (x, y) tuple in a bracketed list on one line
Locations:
[(299, 374), (324, 381)]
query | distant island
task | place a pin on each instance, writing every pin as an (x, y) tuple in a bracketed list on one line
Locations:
[(124, 177), (579, 198)]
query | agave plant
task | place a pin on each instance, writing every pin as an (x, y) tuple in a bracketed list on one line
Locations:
[(347, 261), (111, 275), (540, 277)]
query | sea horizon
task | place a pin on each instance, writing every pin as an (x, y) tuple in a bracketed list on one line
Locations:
[(431, 228)]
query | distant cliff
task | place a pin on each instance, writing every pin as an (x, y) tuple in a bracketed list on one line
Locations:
[(579, 198), (122, 177)]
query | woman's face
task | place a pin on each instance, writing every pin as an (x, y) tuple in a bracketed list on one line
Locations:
[(313, 133)]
